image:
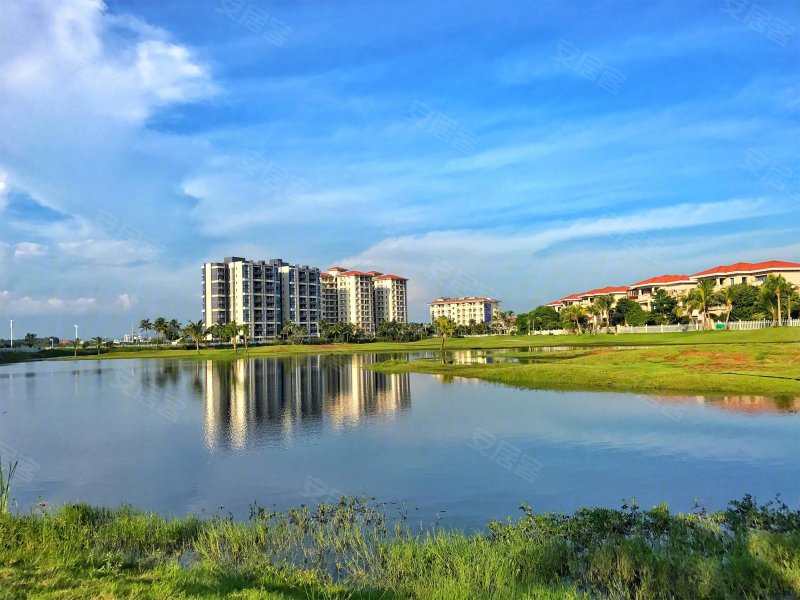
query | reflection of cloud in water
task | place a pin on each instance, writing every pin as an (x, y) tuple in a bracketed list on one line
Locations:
[(269, 398)]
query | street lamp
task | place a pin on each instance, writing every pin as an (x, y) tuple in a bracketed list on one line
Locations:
[(76, 340)]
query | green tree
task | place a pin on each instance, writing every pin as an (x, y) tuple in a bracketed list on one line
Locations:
[(746, 303), (160, 326), (604, 305), (196, 332), (545, 318), (702, 299), (629, 312), (98, 342), (664, 308), (145, 325), (572, 316), (445, 326), (726, 297)]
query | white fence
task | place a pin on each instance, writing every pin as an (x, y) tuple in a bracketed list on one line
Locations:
[(733, 325)]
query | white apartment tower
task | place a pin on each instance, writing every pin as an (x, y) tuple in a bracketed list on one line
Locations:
[(262, 295), (391, 300), (363, 298)]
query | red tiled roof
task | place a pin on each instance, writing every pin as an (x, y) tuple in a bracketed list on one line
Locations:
[(571, 297), (455, 300), (553, 303), (382, 277), (744, 267), (663, 279), (611, 289), (375, 273), (326, 275), (357, 273), (336, 269)]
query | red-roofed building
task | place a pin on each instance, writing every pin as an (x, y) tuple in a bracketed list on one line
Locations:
[(363, 298), (752, 273), (644, 291)]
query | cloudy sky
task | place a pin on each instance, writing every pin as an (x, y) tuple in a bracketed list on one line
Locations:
[(524, 150)]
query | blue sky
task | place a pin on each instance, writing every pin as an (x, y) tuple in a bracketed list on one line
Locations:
[(523, 150)]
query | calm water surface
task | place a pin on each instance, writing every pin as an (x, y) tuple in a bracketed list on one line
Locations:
[(182, 436)]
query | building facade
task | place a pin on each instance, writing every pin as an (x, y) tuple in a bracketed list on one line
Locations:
[(464, 310), (391, 298), (262, 295), (364, 299), (644, 291), (301, 297)]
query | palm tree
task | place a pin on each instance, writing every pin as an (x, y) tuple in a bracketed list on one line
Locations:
[(574, 313), (597, 313), (701, 299), (772, 290), (145, 325), (196, 331), (160, 327), (244, 329), (725, 297), (232, 331), (98, 341), (606, 303), (445, 326)]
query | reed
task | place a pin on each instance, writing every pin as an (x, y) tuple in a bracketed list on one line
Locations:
[(5, 484), (354, 549)]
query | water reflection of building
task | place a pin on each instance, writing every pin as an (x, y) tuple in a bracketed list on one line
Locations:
[(278, 398), (749, 404)]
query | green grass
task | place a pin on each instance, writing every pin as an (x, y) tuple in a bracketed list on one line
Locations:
[(350, 550), (771, 335), (764, 369)]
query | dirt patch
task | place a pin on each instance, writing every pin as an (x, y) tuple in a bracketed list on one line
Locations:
[(718, 361)]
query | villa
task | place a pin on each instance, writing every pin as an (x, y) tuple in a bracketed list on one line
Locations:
[(644, 291)]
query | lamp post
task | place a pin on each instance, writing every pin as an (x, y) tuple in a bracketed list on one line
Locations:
[(76, 340)]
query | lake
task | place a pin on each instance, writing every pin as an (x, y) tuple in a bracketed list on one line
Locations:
[(205, 437)]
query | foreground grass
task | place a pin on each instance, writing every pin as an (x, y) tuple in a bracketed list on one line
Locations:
[(350, 550), (731, 369), (772, 335)]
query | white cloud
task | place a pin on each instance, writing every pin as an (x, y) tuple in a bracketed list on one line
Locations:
[(125, 302), (69, 52), (3, 191), (109, 252), (25, 250), (506, 263), (26, 305)]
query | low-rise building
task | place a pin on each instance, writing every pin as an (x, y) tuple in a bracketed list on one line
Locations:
[(464, 311), (644, 291), (750, 273)]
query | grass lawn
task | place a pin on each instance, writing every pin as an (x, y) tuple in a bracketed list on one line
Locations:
[(768, 369), (350, 551), (772, 335)]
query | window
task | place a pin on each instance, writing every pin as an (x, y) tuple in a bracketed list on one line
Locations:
[(744, 279), (761, 278)]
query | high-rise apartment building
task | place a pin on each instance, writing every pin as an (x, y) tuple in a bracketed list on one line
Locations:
[(391, 300), (301, 296), (363, 298), (262, 295)]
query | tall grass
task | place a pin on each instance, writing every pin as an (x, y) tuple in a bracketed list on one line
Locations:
[(5, 484), (352, 549)]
